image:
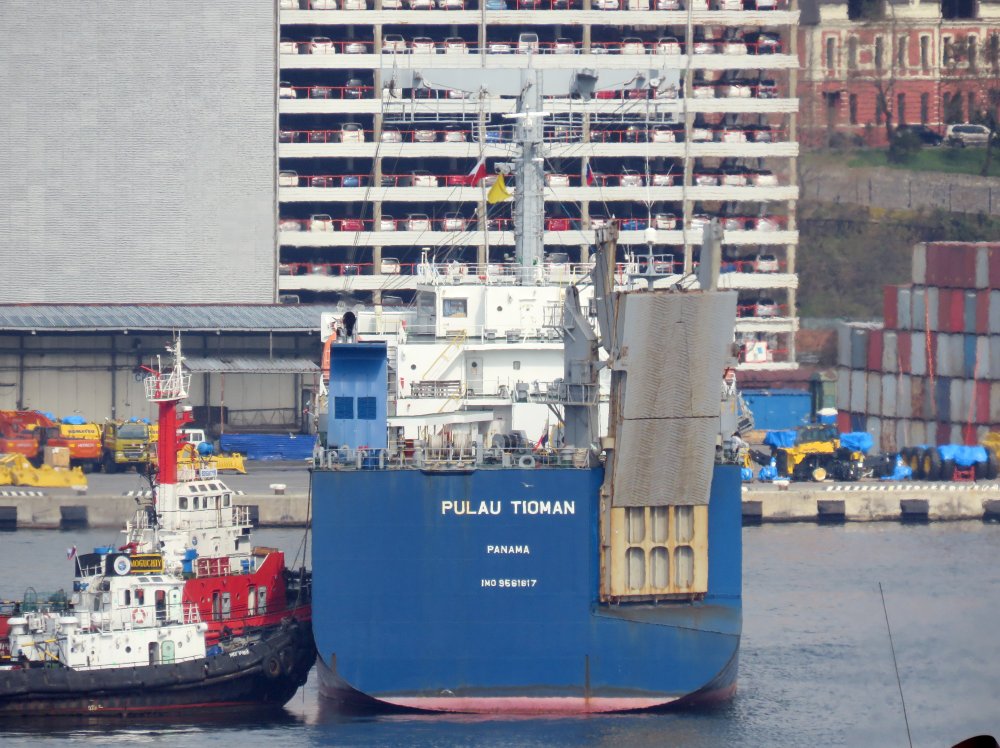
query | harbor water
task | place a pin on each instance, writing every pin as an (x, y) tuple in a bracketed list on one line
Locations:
[(816, 666)]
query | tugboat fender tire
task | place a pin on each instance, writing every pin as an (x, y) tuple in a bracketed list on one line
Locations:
[(272, 666), (526, 461)]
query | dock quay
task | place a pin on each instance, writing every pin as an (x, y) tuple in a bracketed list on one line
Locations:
[(798, 502)]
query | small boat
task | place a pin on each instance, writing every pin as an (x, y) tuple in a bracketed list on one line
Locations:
[(185, 614)]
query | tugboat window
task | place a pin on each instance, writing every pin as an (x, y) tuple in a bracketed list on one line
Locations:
[(262, 600), (183, 503)]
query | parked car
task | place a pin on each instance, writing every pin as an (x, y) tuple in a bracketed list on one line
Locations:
[(599, 219), (758, 133), (454, 222), (321, 180), (668, 45), (423, 45), (701, 134), (322, 4), (636, 134), (355, 5), (418, 222), (351, 180), (732, 134), (606, 5), (499, 48), (321, 45), (706, 46), (631, 178), (451, 4), (557, 180), (765, 223), (289, 224), (389, 266), (527, 43), (633, 45), (765, 307), (391, 135), (288, 179), (424, 135), (288, 136), (393, 43), (734, 47), (702, 90), (320, 222), (456, 45), (767, 88), (668, 133), (420, 4), (739, 88), (735, 176), (699, 221), (766, 264), (425, 179), (288, 47), (287, 91), (665, 221), (455, 134), (496, 5), (352, 224), (669, 5), (564, 46), (763, 178), (706, 176), (733, 223), (966, 135), (923, 133), (386, 223), (557, 224), (352, 132), (634, 224), (355, 89), (355, 47), (666, 179), (763, 43)]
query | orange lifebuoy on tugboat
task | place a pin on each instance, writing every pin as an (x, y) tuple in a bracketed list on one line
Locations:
[(139, 616)]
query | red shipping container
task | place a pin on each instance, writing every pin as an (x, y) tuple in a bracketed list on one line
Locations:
[(951, 310), (983, 312), (951, 264), (875, 350), (995, 268), (843, 421), (903, 352), (942, 433), (982, 395), (890, 307)]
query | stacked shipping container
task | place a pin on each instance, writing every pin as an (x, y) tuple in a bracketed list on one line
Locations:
[(930, 374)]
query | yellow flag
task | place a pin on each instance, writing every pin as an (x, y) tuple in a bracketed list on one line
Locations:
[(498, 192)]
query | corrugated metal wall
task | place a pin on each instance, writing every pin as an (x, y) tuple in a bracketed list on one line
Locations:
[(139, 152)]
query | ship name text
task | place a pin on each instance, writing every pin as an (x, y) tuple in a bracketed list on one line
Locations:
[(505, 549), (515, 506)]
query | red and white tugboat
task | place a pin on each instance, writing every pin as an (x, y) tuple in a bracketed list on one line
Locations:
[(153, 626), (203, 535)]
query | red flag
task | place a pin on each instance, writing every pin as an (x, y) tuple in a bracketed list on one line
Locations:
[(478, 173), (590, 176)]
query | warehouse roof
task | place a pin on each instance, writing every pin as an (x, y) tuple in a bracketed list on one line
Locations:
[(182, 317), (250, 365)]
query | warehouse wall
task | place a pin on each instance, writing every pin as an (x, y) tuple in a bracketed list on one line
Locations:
[(139, 158)]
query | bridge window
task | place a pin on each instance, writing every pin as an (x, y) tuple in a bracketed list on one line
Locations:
[(343, 408), (226, 499), (455, 308), (182, 502)]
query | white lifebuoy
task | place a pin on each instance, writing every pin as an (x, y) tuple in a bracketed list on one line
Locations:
[(526, 461), (139, 616)]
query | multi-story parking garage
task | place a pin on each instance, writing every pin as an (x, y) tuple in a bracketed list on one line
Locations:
[(693, 116)]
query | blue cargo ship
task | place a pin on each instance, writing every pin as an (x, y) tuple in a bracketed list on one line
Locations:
[(467, 571)]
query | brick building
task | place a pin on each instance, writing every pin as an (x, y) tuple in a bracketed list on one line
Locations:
[(866, 62)]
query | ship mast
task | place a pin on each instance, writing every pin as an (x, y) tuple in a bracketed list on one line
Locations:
[(167, 388), (529, 206)]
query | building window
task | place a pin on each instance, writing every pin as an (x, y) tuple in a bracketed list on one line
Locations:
[(517, 366), (993, 53), (879, 52), (951, 9), (366, 408), (952, 106), (901, 53), (972, 106), (852, 53), (455, 308), (925, 52), (946, 50), (879, 109), (852, 105), (343, 408), (972, 52), (925, 109), (901, 109), (831, 50)]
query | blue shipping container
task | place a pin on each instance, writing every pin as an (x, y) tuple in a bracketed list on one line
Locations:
[(270, 446), (774, 410)]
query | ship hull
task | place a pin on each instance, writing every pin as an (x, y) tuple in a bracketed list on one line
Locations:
[(265, 675), (479, 593)]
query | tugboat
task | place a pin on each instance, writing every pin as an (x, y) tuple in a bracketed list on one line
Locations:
[(152, 626), (203, 536)]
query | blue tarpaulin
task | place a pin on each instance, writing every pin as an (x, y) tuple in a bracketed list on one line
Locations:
[(780, 439), (269, 446), (857, 441), (962, 455)]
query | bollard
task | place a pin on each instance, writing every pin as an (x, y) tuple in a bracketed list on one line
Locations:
[(278, 488)]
